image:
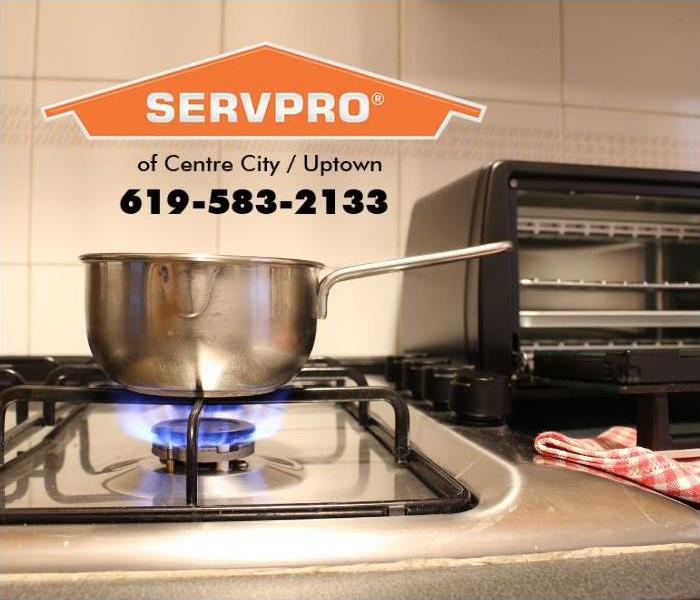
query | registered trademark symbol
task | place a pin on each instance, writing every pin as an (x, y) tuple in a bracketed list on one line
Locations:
[(378, 98)]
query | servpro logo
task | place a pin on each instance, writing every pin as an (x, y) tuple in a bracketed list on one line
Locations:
[(266, 91), (218, 107)]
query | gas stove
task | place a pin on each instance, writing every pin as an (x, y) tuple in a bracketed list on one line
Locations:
[(361, 461)]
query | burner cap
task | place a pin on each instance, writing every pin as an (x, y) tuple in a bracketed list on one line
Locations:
[(224, 442), (212, 432)]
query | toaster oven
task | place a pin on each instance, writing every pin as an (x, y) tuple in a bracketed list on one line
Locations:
[(606, 263)]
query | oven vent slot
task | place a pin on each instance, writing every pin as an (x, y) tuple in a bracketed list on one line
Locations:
[(632, 286), (594, 229), (569, 345)]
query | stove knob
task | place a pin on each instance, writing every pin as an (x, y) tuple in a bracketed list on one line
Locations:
[(393, 368), (424, 378), (408, 372), (480, 398), (393, 365), (437, 386), (420, 373)]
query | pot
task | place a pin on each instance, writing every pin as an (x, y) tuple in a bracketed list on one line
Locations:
[(216, 326)]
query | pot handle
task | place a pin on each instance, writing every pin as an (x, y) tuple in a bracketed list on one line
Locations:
[(402, 264)]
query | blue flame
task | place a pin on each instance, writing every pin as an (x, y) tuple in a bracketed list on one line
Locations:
[(211, 432), (137, 420)]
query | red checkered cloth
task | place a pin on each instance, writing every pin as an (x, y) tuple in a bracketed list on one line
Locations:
[(615, 451)]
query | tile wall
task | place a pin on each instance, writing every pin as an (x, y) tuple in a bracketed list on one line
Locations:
[(602, 82)]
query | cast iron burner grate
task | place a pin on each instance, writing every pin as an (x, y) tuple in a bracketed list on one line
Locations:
[(224, 442), (72, 386)]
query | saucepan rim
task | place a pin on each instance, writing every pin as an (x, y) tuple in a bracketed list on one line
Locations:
[(196, 257)]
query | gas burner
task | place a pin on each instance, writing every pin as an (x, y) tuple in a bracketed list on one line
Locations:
[(223, 442)]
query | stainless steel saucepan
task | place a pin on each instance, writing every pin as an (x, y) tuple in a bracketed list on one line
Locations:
[(190, 324)]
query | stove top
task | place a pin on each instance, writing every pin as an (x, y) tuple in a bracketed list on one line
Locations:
[(116, 456), (317, 454), (324, 471)]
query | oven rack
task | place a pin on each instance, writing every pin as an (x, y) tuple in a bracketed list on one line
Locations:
[(561, 319), (567, 345), (68, 401), (598, 229), (632, 286)]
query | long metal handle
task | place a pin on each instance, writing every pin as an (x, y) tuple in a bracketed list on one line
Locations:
[(402, 264)]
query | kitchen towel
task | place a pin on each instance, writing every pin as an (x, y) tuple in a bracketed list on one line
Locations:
[(615, 451)]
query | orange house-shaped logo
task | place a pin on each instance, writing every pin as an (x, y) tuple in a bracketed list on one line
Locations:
[(266, 91)]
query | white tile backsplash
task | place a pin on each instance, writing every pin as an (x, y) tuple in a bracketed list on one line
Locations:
[(500, 50), (362, 316), (602, 82), (336, 239), (57, 310), (362, 34), (607, 137), (78, 185), (632, 55), (14, 309), (122, 39), (15, 152), (17, 36)]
